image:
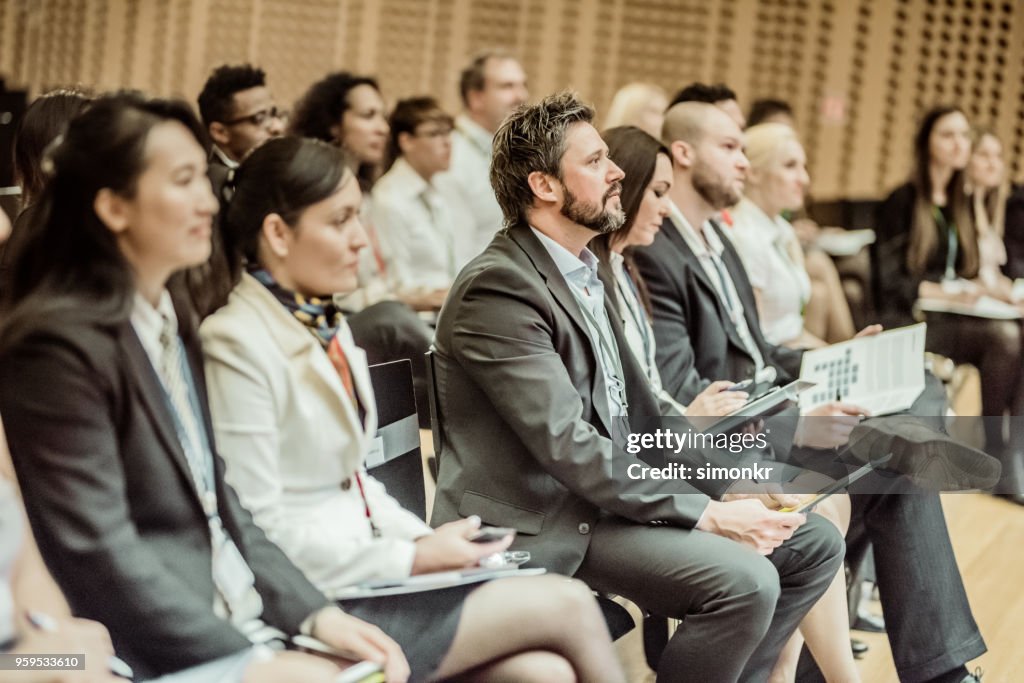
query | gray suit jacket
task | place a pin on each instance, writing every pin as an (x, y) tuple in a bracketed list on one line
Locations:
[(525, 417)]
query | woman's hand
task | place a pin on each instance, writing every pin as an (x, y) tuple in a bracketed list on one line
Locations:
[(78, 636), (449, 547), (356, 640)]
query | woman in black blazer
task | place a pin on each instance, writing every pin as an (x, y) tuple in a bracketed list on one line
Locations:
[(102, 393), (928, 248)]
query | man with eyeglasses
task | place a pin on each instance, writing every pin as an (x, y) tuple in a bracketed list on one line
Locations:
[(240, 114), (424, 225)]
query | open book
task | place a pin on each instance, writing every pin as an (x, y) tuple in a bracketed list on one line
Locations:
[(883, 373)]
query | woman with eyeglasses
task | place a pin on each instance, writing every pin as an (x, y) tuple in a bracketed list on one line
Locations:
[(294, 414)]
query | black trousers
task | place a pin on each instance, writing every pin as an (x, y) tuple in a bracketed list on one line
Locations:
[(928, 619)]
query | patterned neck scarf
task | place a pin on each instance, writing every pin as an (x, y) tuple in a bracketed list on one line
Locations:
[(319, 316)]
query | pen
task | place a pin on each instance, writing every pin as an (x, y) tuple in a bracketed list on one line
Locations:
[(44, 622)]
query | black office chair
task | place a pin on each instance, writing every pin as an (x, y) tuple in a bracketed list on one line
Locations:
[(397, 462)]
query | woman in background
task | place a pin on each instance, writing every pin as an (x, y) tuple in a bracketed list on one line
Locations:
[(988, 192), (43, 121), (928, 248), (347, 111), (788, 299), (638, 104)]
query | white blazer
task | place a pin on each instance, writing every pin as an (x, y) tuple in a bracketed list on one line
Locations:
[(292, 441)]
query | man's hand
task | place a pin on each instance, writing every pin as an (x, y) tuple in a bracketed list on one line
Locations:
[(829, 425), (425, 299), (751, 523), (771, 495), (714, 402), (357, 640), (449, 547)]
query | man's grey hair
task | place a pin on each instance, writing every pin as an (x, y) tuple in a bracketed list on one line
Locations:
[(532, 138)]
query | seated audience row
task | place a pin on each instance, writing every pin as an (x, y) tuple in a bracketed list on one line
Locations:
[(555, 352), (111, 437)]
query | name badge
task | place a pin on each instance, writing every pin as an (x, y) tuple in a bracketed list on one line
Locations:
[(375, 453)]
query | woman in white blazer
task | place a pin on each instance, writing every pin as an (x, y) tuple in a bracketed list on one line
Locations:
[(293, 413)]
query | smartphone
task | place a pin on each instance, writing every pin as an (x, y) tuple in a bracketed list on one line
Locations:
[(490, 534), (745, 385)]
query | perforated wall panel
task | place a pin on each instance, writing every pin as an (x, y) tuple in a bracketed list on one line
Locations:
[(859, 73)]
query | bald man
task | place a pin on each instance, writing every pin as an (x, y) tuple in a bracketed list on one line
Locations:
[(706, 326)]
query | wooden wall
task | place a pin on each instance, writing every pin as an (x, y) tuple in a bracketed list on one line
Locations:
[(859, 72)]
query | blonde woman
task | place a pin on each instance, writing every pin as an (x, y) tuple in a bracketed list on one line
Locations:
[(638, 104), (769, 247)]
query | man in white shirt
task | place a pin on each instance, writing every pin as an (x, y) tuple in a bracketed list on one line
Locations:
[(425, 228), (492, 86)]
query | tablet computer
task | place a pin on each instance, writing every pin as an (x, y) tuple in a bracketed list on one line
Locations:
[(763, 406), (839, 485)]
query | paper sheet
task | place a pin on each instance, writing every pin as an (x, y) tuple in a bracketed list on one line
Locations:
[(883, 373)]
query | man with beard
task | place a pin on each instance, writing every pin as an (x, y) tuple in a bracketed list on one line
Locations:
[(535, 403), (706, 326)]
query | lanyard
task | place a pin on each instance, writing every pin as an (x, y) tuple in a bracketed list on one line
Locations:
[(618, 380), (200, 463), (952, 242), (632, 301), (366, 505)]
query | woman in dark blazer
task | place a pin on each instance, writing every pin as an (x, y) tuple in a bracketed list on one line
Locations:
[(928, 249), (102, 393)]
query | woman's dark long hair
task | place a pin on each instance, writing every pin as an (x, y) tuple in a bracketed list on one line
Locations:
[(636, 153), (283, 176), (69, 263), (44, 120), (924, 232), (322, 108)]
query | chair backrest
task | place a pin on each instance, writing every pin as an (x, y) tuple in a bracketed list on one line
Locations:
[(435, 405), (396, 461)]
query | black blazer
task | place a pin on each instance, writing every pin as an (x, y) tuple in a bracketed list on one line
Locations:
[(1014, 233), (526, 422), (697, 342), (111, 501)]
